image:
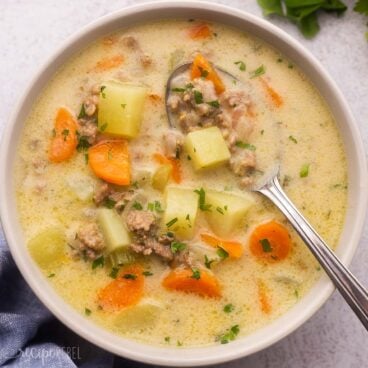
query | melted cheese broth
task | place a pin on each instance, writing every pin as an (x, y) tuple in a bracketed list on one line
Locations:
[(190, 320)]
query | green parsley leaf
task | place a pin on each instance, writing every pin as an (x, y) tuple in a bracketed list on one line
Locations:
[(198, 97), (208, 262), (177, 246), (177, 89), (102, 91), (202, 200), (114, 272), (136, 205), (220, 210), (222, 253), (86, 158), (293, 139), (82, 113), (361, 6), (230, 335), (51, 275), (214, 103), (129, 276), (266, 245), (270, 7), (109, 203), (258, 72), (147, 273), (248, 146), (103, 127), (98, 262), (167, 338), (179, 343), (172, 222), (204, 72), (123, 105), (65, 133), (196, 274), (304, 171), (241, 65), (228, 308), (87, 311)]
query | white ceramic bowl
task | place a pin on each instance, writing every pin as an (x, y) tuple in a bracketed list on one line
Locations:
[(263, 337)]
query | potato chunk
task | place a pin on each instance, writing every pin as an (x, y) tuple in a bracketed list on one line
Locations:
[(227, 211), (120, 109), (48, 248), (181, 211), (114, 232), (206, 148)]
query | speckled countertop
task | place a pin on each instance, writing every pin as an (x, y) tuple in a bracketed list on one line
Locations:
[(32, 30)]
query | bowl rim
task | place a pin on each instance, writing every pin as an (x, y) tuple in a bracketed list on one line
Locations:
[(140, 351)]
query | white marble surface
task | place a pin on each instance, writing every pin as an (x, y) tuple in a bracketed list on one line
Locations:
[(32, 29)]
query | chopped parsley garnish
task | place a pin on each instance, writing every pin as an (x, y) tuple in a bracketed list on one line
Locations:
[(241, 65), (258, 72), (189, 86), (195, 274), (98, 262), (220, 210), (228, 308), (214, 103), (187, 217), (136, 205), (109, 203), (177, 246), (178, 89), (147, 273), (82, 112), (65, 133), (204, 72), (123, 105), (103, 127), (222, 253), (87, 311), (83, 143), (304, 171), (293, 139), (202, 200), (296, 293), (266, 245), (230, 335), (129, 276), (179, 343), (155, 206), (102, 91), (114, 272), (198, 97), (86, 158), (244, 145), (208, 262), (51, 275), (189, 158), (172, 222), (167, 338)]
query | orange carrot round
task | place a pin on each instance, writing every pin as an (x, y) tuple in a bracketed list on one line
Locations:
[(109, 160), (233, 248), (270, 242), (199, 31), (126, 290), (201, 67), (64, 141), (198, 282), (175, 164)]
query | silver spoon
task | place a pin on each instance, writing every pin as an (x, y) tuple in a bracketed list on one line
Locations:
[(350, 288)]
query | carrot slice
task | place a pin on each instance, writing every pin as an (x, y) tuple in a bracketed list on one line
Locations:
[(201, 67), (276, 99), (124, 291), (199, 31), (270, 241), (182, 279), (263, 298), (234, 248), (64, 142), (175, 164), (108, 63), (109, 160)]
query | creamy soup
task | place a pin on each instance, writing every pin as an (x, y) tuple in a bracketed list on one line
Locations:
[(153, 232)]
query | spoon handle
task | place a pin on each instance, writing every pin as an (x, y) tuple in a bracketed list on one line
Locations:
[(350, 288)]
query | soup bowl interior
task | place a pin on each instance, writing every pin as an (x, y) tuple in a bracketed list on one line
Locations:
[(357, 191)]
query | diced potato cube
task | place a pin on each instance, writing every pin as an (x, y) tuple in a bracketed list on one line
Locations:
[(206, 148), (48, 248), (139, 316), (113, 229), (227, 211), (120, 109), (180, 212), (161, 177), (81, 185)]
